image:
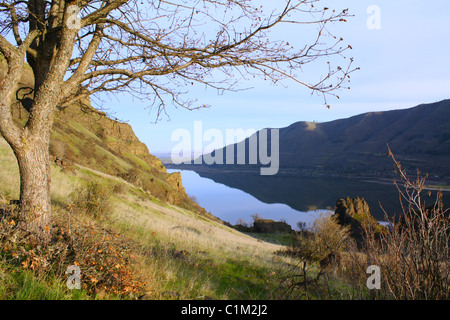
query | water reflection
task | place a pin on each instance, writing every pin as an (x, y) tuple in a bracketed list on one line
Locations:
[(293, 198), (231, 204)]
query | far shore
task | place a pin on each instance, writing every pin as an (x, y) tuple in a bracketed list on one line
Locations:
[(433, 184)]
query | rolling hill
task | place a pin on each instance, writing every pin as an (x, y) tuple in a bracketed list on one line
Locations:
[(419, 137)]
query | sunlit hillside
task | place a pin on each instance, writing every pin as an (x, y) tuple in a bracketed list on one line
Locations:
[(176, 253)]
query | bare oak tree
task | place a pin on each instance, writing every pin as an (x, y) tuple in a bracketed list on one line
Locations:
[(151, 49)]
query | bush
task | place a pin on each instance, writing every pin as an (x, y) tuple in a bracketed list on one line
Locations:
[(103, 256), (93, 198), (316, 251), (326, 237), (413, 254)]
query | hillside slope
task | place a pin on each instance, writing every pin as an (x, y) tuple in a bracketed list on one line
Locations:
[(126, 222), (172, 252), (82, 135), (419, 137)]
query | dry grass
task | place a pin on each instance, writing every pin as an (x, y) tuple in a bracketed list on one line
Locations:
[(9, 173), (178, 253), (174, 242)]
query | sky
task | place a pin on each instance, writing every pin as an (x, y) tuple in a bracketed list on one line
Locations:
[(404, 61)]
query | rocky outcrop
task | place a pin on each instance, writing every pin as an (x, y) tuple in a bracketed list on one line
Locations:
[(356, 214), (271, 226), (83, 135), (86, 136), (175, 180)]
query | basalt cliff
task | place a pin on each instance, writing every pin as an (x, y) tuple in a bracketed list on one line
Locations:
[(84, 136)]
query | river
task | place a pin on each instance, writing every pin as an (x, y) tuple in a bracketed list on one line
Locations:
[(233, 196), (232, 204)]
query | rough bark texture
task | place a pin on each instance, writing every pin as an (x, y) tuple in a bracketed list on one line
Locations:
[(35, 206)]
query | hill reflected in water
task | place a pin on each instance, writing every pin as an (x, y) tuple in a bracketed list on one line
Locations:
[(313, 193)]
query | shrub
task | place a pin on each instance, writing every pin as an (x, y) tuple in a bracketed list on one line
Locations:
[(93, 198), (103, 256), (315, 251), (413, 254), (325, 238)]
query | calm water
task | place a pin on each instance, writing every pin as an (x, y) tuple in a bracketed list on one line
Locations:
[(239, 195), (231, 204)]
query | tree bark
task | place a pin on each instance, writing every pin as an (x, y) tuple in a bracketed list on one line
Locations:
[(35, 205), (117, 51)]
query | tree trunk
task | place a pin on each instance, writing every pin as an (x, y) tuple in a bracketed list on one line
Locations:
[(35, 205)]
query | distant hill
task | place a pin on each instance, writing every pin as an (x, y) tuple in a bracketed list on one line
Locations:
[(419, 137)]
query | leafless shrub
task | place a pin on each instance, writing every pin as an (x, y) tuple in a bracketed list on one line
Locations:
[(413, 253)]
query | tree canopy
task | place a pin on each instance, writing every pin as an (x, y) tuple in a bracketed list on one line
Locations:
[(154, 50)]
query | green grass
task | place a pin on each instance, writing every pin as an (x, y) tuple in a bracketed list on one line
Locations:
[(284, 239), (180, 254), (9, 172), (19, 284), (136, 161), (189, 257)]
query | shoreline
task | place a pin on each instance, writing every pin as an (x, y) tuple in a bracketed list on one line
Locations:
[(377, 178)]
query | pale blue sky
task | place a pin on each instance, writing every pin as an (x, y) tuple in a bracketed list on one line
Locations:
[(403, 64)]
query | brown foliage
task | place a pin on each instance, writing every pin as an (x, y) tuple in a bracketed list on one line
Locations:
[(104, 257), (414, 252)]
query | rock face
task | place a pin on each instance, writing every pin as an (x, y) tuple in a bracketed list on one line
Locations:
[(175, 180), (88, 137), (85, 136), (356, 214), (116, 136)]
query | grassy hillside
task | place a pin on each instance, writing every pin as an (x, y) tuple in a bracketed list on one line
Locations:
[(127, 223), (84, 136), (166, 252)]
